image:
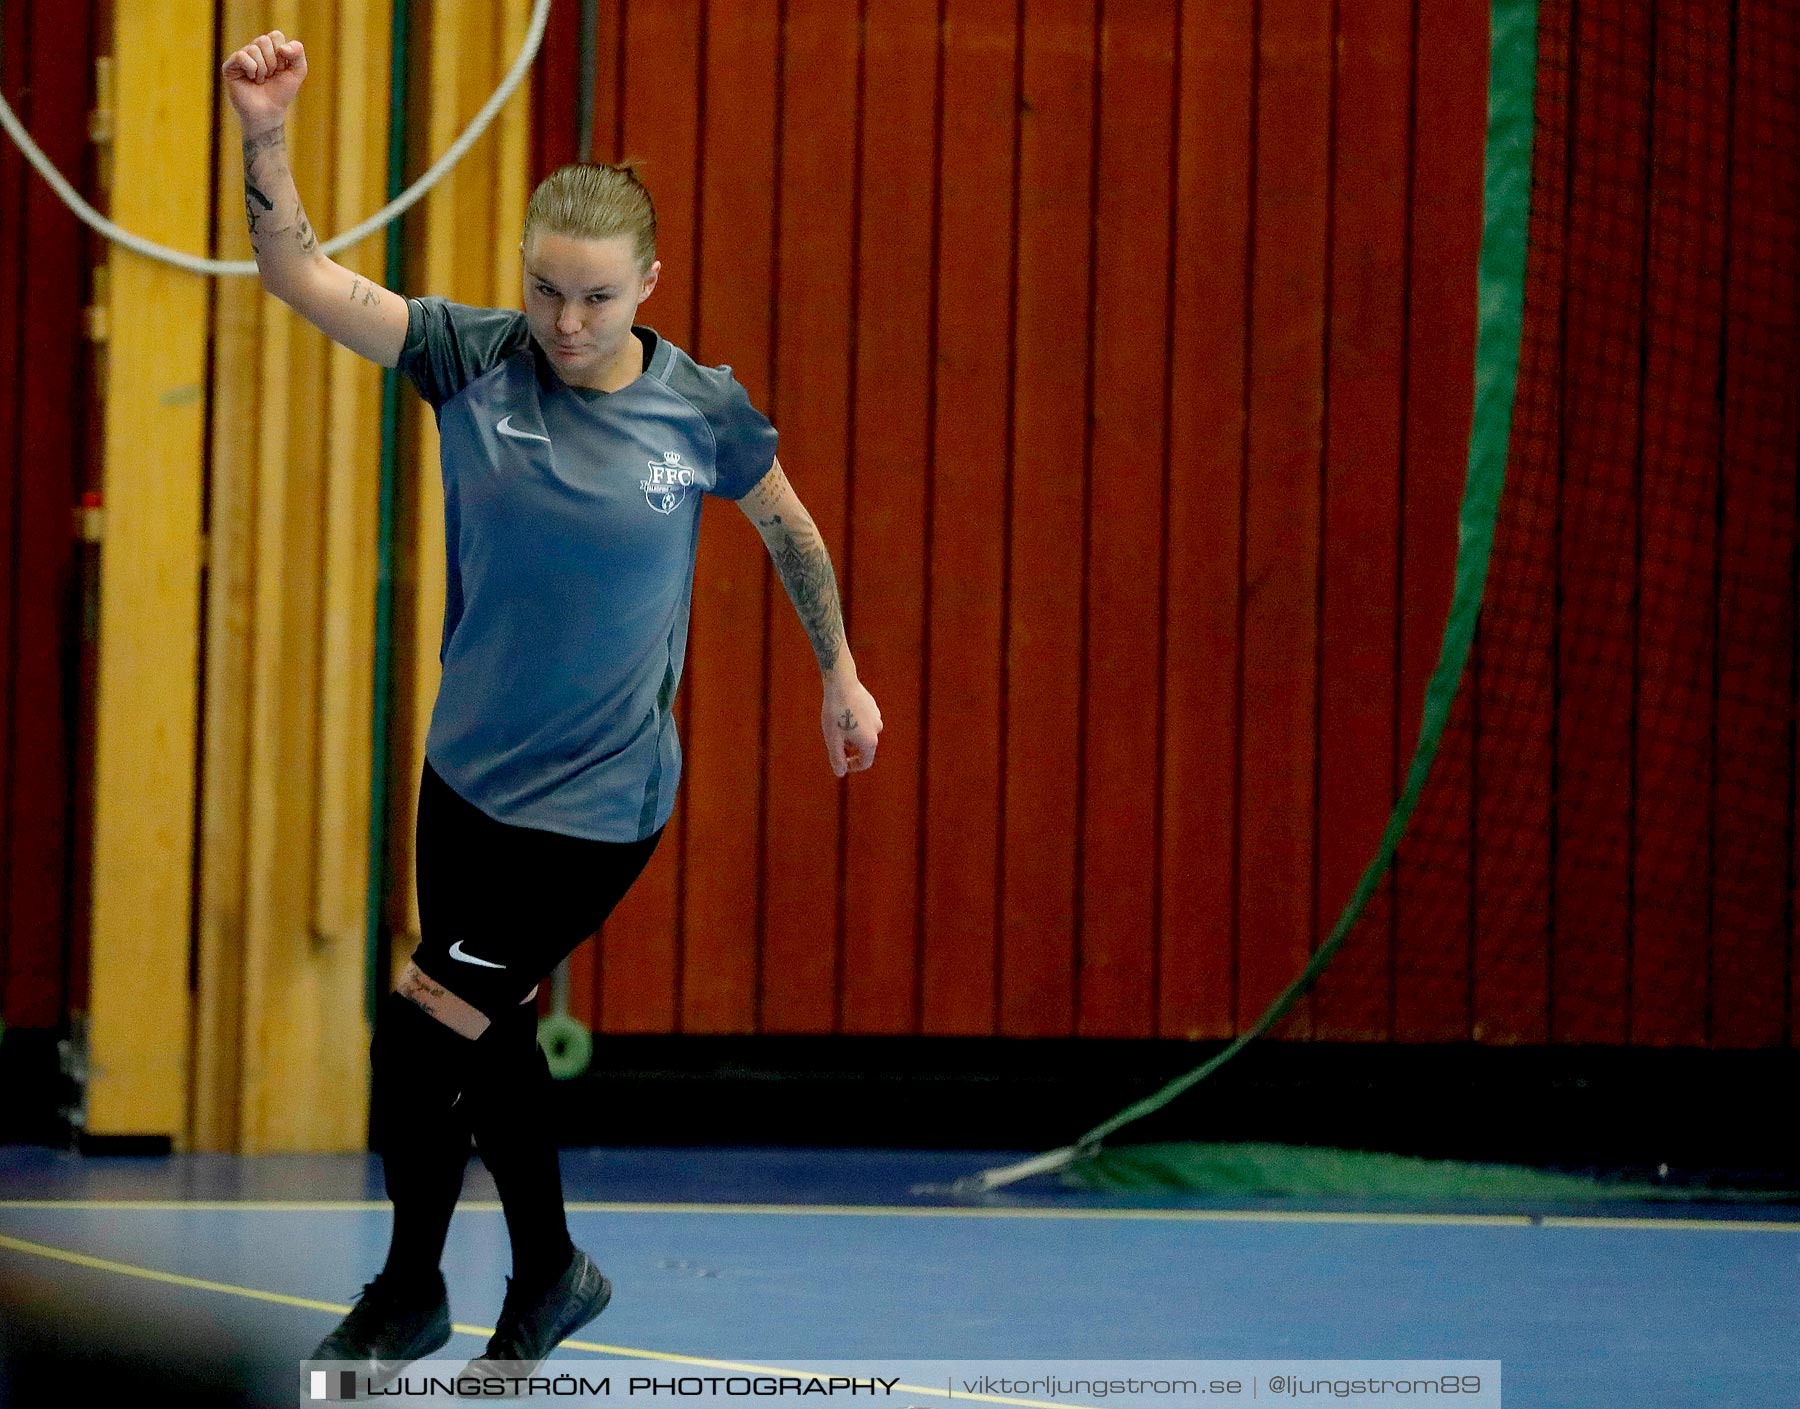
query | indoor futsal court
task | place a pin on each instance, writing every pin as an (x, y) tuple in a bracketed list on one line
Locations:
[(1225, 828), (765, 1259)]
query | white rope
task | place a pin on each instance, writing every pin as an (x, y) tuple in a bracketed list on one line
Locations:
[(391, 211)]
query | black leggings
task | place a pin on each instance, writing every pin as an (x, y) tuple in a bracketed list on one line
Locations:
[(501, 906), (519, 900)]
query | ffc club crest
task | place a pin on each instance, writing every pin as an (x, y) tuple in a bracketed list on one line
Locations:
[(668, 484)]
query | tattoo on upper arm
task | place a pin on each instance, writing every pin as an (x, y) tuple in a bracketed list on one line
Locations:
[(362, 291), (768, 490)]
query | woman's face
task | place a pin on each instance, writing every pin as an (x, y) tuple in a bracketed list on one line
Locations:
[(580, 298)]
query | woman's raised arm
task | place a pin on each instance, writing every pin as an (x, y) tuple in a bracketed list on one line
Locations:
[(261, 79)]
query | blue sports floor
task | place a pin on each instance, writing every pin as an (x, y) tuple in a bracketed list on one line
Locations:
[(210, 1277)]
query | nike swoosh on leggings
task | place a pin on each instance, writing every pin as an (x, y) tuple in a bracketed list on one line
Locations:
[(456, 952)]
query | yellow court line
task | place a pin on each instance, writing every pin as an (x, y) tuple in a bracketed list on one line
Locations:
[(227, 1205), (128, 1269), (103, 1264), (1479, 1220), (1735, 1225)]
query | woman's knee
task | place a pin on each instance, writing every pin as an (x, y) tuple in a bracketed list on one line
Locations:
[(419, 1069)]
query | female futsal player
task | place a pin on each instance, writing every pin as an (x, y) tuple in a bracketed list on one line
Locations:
[(576, 449)]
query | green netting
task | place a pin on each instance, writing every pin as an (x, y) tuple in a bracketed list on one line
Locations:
[(1501, 283), (1605, 855), (1288, 1171)]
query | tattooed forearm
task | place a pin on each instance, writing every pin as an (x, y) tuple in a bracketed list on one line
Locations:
[(253, 195), (260, 143), (252, 199), (805, 568), (272, 208)]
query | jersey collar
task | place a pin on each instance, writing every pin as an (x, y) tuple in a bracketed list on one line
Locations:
[(656, 356)]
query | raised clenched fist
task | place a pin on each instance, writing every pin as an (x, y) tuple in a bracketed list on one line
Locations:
[(262, 78)]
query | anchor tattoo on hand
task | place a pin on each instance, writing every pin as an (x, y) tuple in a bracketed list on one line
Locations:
[(847, 722)]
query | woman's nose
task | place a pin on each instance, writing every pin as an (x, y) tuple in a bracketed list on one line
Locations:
[(568, 320)]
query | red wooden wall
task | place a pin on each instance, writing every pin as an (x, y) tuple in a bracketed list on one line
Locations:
[(1140, 341), (1123, 353), (46, 67)]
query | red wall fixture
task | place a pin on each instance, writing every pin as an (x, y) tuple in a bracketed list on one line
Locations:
[(46, 66)]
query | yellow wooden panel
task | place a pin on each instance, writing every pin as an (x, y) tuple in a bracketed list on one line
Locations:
[(149, 579), (263, 773), (512, 178), (298, 999), (346, 694), (445, 39), (282, 1032), (353, 502), (278, 1042), (476, 67), (235, 432)]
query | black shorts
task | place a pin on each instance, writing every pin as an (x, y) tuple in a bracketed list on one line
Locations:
[(501, 906)]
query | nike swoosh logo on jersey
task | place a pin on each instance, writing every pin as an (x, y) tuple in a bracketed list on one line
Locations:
[(505, 426), (456, 952)]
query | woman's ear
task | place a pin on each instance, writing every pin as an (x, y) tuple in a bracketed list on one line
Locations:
[(650, 280)]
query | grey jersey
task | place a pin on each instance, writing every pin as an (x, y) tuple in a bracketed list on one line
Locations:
[(571, 520)]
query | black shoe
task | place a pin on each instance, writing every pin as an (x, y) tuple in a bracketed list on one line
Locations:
[(530, 1329), (389, 1327)]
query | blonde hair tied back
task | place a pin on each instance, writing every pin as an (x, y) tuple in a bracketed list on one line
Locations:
[(596, 201)]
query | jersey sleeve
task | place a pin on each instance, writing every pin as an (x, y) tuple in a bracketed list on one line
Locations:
[(448, 345), (745, 439)]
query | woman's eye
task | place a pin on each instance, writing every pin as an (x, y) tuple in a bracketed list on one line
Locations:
[(597, 298)]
